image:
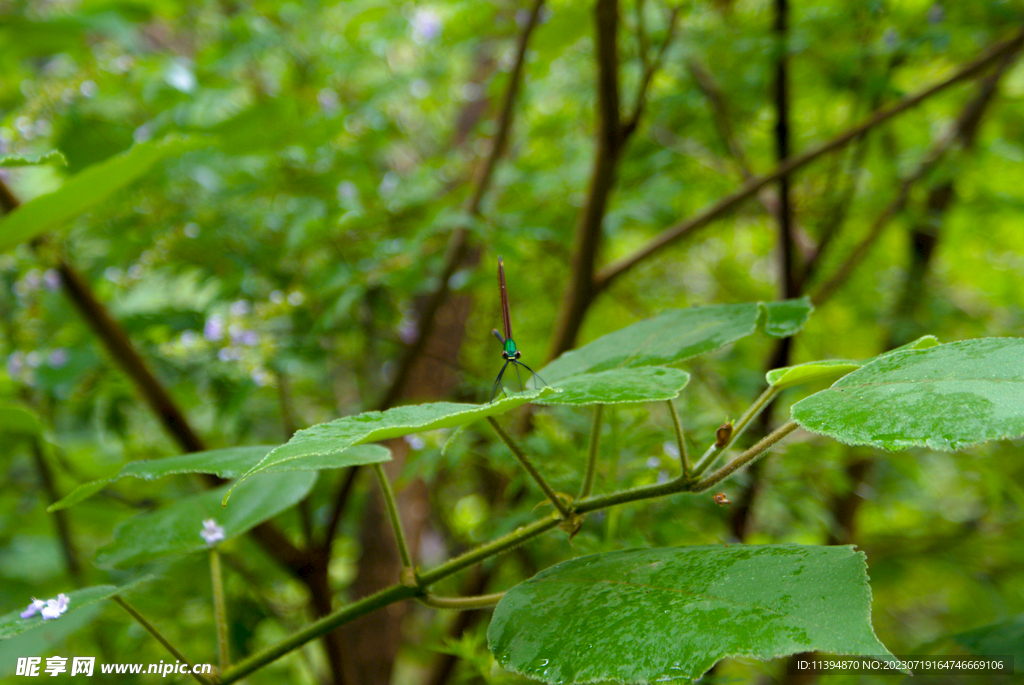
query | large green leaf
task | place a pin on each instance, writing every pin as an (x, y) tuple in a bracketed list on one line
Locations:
[(372, 426), (86, 189), (12, 623), (676, 335), (618, 386), (230, 463), (671, 613), (945, 397), (174, 530)]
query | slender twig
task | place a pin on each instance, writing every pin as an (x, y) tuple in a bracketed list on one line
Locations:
[(680, 439), (220, 611), (595, 440), (932, 157), (151, 629), (60, 518), (749, 457), (462, 603), (752, 412), (396, 521), (730, 202), (530, 468), (650, 68)]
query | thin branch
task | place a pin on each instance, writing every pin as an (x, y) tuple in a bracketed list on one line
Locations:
[(965, 122), (530, 468), (462, 603), (396, 520), (650, 68), (151, 629), (685, 228), (595, 441)]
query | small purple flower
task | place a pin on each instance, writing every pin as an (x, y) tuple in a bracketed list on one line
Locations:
[(33, 608), (211, 532), (328, 99), (33, 359), (15, 364), (653, 463), (408, 330), (213, 330), (51, 608), (671, 449), (51, 279), (58, 358), (189, 338), (415, 442), (240, 307), (426, 25), (295, 298), (249, 338)]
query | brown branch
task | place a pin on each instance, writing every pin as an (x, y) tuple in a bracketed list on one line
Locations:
[(580, 288), (650, 68), (788, 277), (732, 201), (966, 123)]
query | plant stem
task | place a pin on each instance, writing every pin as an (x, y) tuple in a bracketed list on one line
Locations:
[(528, 465), (504, 543), (399, 592), (462, 603), (680, 441), (387, 596), (748, 457), (595, 439), (159, 637), (708, 458), (396, 522), (220, 612)]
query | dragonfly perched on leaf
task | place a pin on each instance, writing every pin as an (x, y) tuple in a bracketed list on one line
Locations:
[(509, 352)]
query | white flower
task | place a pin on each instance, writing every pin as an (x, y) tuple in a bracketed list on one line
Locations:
[(426, 25), (211, 532), (51, 608)]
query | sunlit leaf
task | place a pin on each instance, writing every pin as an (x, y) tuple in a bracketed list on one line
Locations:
[(86, 189), (676, 335), (945, 397), (640, 616), (51, 157), (618, 386), (174, 529)]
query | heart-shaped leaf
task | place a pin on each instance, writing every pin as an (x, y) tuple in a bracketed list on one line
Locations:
[(946, 397), (640, 616)]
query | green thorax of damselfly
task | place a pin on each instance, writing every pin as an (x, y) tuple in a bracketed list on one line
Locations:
[(510, 351)]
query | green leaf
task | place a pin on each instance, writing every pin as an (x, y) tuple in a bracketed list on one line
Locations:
[(830, 369), (174, 530), (16, 418), (228, 463), (372, 426), (786, 318), (86, 189), (647, 615), (799, 374), (12, 623), (618, 386), (51, 157), (676, 335), (997, 639), (945, 397)]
